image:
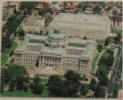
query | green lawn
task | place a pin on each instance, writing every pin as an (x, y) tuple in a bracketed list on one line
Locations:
[(4, 59), (94, 62), (21, 93), (10, 50)]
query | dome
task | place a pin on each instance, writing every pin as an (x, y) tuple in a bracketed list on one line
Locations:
[(56, 35)]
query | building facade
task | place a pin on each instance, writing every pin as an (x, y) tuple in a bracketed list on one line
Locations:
[(81, 25), (56, 51)]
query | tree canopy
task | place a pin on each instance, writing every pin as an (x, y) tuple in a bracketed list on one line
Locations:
[(57, 86), (15, 76), (72, 80), (37, 86)]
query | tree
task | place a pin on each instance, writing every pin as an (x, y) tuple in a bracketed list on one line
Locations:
[(115, 90), (72, 80), (57, 86), (83, 6), (100, 48), (2, 84), (28, 5), (22, 83), (6, 42), (117, 38), (109, 41), (97, 9), (37, 86), (102, 75), (93, 84), (12, 23), (16, 76), (84, 89), (107, 58), (48, 19), (20, 32), (99, 91), (12, 85)]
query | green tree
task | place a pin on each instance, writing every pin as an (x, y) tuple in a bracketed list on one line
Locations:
[(117, 38), (115, 90), (83, 6), (93, 84), (72, 80), (12, 23), (48, 19), (16, 76), (6, 42), (109, 41), (12, 85), (20, 32), (57, 86), (37, 86), (107, 58), (102, 75), (28, 5), (99, 91), (84, 89), (97, 9)]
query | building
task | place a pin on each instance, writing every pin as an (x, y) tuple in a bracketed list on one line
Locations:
[(56, 51), (33, 24), (81, 25)]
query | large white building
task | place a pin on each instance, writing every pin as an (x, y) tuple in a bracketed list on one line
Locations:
[(56, 51), (81, 25)]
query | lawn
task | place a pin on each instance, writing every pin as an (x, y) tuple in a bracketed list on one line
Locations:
[(21, 93), (10, 50), (94, 62), (4, 59)]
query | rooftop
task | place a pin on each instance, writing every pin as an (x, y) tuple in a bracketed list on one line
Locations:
[(33, 21), (73, 47), (82, 21)]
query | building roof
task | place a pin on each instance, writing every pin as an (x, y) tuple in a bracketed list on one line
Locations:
[(73, 47), (57, 35), (80, 21), (33, 21)]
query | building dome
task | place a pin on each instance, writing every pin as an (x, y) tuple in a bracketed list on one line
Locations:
[(56, 35), (56, 39)]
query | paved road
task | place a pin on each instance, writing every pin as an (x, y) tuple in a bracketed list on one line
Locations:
[(114, 79)]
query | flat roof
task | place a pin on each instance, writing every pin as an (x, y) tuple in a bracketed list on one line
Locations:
[(80, 21)]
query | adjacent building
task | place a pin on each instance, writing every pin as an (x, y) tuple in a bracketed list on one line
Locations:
[(91, 26), (56, 51), (33, 24)]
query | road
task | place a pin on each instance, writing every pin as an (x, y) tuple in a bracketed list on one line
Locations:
[(114, 79)]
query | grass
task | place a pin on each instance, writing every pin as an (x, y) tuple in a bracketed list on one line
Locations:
[(10, 50), (29, 93), (4, 59), (94, 62)]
